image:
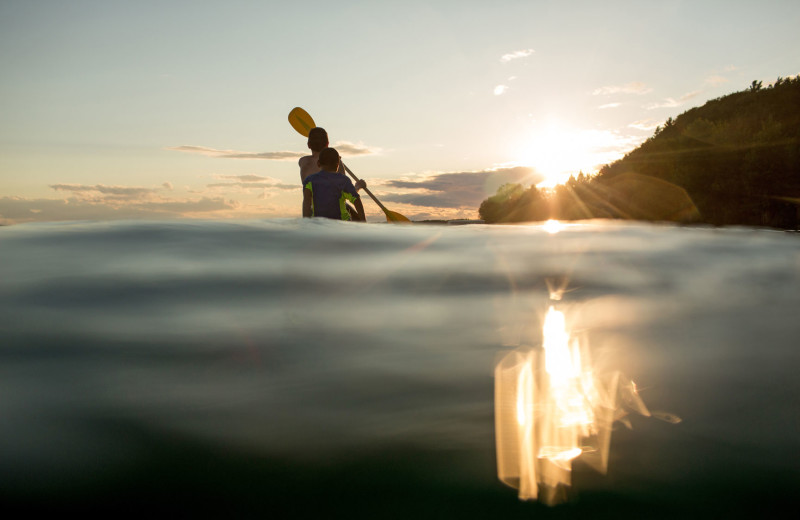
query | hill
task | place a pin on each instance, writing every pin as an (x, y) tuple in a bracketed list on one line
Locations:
[(733, 161)]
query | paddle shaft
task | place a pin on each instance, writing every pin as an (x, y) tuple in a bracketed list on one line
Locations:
[(353, 175)]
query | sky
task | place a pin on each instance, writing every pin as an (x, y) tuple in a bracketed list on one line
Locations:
[(159, 110)]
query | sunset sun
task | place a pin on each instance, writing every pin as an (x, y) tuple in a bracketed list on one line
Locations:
[(556, 151)]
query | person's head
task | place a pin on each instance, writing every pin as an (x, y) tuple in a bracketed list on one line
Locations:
[(329, 159), (317, 139)]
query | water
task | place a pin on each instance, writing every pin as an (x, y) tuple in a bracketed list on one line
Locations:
[(314, 367)]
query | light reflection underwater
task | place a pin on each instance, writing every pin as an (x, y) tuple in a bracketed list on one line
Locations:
[(551, 406), (212, 366)]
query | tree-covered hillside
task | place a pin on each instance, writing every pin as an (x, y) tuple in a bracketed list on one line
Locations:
[(735, 160)]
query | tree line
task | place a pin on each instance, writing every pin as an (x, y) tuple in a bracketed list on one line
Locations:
[(733, 161)]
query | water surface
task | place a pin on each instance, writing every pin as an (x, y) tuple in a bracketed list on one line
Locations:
[(310, 366)]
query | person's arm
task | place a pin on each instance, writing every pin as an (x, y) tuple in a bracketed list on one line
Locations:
[(360, 183), (350, 193), (360, 216), (307, 202), (302, 163)]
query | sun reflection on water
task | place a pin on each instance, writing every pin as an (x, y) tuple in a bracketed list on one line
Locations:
[(551, 407), (552, 226)]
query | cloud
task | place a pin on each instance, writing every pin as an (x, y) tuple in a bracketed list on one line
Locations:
[(345, 148), (667, 103), (690, 95), (180, 207), (457, 190), (646, 124), (252, 181), (101, 202), (234, 154), (635, 87), (505, 58), (609, 105), (671, 102), (115, 192), (716, 80), (499, 90), (245, 178), (17, 209)]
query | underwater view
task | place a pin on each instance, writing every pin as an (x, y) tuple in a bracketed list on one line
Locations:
[(299, 367)]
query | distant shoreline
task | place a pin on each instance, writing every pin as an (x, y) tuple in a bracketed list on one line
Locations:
[(454, 222)]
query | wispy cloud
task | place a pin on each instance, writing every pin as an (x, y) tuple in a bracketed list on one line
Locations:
[(107, 192), (505, 58), (646, 124), (716, 80), (136, 199), (609, 105), (499, 90), (456, 190), (672, 102), (252, 182), (235, 154), (18, 210), (635, 87), (345, 148)]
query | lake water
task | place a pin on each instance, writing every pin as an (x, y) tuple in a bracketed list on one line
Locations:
[(297, 367)]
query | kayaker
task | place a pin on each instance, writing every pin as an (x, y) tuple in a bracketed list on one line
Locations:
[(325, 192), (318, 141)]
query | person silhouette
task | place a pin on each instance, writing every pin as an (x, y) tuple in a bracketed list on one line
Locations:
[(325, 192), (309, 164)]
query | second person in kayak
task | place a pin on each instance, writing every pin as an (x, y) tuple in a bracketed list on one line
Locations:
[(326, 192)]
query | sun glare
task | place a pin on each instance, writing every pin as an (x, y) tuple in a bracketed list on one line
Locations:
[(552, 226), (557, 151)]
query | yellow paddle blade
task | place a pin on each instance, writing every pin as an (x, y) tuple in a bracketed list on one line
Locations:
[(393, 216), (301, 121)]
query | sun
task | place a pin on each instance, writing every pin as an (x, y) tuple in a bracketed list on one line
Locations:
[(556, 151)]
